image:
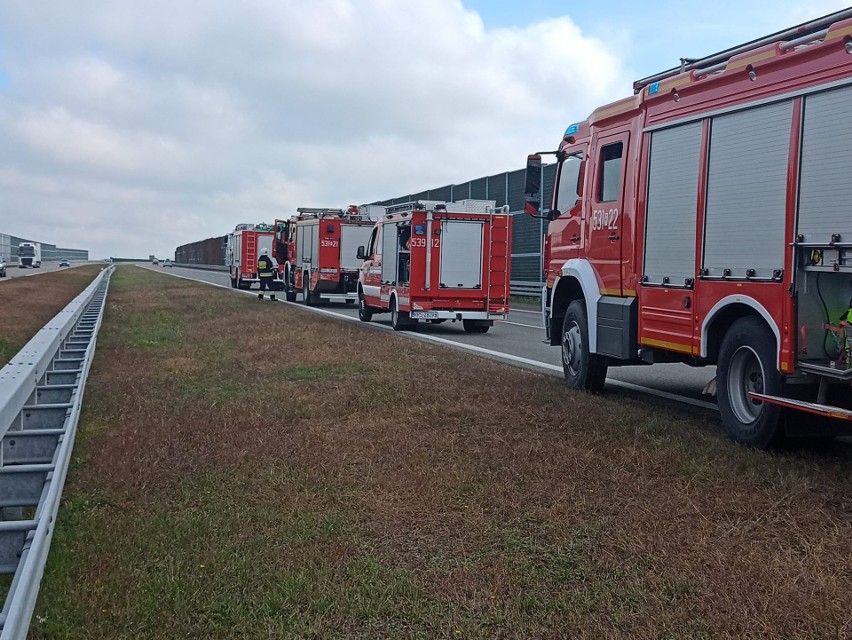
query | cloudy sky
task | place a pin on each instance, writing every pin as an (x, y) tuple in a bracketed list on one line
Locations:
[(131, 127)]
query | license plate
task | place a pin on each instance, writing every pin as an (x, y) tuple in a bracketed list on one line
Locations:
[(425, 315)]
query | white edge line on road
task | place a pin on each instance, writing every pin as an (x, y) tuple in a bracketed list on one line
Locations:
[(544, 367), (520, 324), (512, 310)]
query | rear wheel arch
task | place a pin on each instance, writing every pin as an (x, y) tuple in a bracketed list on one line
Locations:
[(720, 321)]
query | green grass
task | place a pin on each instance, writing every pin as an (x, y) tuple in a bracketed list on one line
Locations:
[(320, 372), (221, 557), (8, 349), (155, 331)]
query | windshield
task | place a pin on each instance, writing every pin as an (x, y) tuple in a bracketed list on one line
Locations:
[(26, 251), (569, 184)]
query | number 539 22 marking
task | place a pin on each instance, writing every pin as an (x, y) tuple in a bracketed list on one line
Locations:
[(605, 219)]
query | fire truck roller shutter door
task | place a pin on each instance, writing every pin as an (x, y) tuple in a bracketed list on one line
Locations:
[(825, 185), (264, 244), (747, 191), (314, 231), (304, 242), (351, 237), (672, 204), (389, 253), (461, 254)]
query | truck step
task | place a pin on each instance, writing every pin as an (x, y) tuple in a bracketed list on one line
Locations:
[(800, 405), (825, 370)]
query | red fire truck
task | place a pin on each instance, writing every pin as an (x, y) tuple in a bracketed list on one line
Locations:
[(316, 251), (706, 220), (244, 246), (437, 261)]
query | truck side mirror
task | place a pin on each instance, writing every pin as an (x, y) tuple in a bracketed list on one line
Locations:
[(532, 187), (361, 255), (533, 177)]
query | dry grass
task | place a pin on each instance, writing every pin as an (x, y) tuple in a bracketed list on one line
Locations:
[(252, 470), (29, 303)]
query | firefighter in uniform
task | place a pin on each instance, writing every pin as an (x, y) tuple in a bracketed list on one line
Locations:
[(265, 272)]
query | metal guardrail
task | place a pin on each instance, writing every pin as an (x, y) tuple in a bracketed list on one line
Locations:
[(41, 394), (204, 267), (526, 289)]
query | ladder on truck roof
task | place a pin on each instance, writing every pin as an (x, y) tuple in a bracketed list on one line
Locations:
[(461, 206), (318, 213), (789, 38)]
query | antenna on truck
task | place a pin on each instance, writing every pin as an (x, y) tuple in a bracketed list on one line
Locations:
[(794, 36)]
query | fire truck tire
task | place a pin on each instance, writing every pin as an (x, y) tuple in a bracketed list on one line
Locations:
[(365, 314), (747, 363), (289, 288), (476, 326), (307, 297), (400, 320), (582, 369)]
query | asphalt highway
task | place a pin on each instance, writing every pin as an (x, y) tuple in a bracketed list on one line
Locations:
[(14, 271), (519, 340)]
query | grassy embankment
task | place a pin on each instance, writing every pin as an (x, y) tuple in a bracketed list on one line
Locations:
[(27, 304), (250, 469)]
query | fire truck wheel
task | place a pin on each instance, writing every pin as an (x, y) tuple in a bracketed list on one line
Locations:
[(746, 364), (583, 370), (476, 326), (289, 288), (307, 298), (364, 312), (400, 320)]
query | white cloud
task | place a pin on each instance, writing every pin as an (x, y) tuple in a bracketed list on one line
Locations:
[(136, 127)]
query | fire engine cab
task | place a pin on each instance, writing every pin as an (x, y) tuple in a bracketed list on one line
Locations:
[(706, 220), (437, 261), (316, 251)]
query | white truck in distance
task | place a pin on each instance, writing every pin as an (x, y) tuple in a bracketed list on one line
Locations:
[(29, 255)]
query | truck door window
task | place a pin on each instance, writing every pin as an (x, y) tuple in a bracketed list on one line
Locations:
[(371, 243), (609, 175), (569, 184)]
